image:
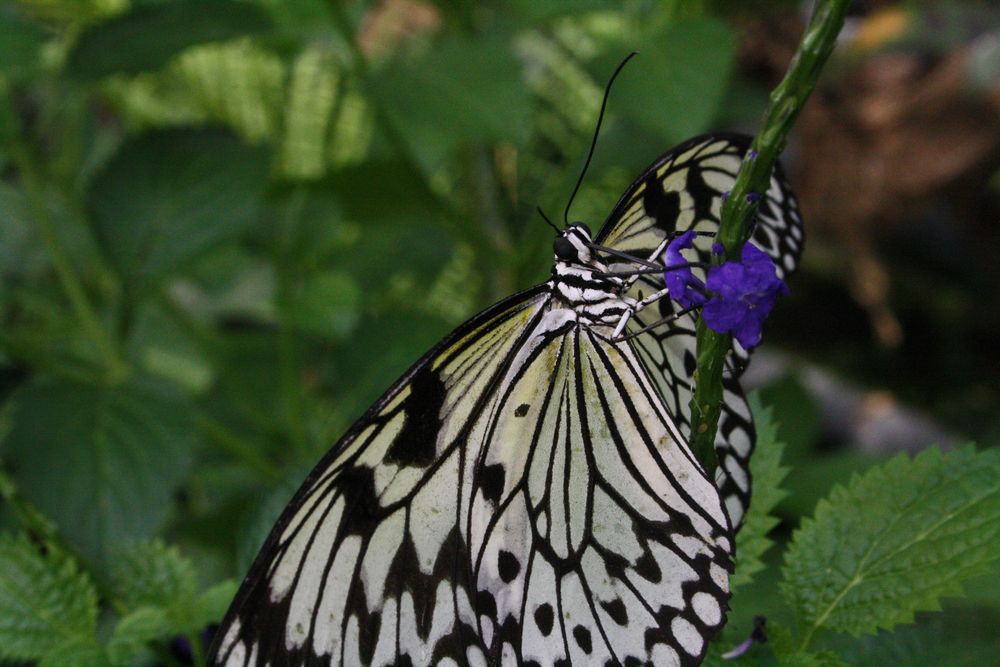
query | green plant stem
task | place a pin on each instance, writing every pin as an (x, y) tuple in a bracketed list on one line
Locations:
[(738, 211), (115, 367)]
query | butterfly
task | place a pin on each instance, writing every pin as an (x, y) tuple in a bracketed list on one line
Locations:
[(525, 493)]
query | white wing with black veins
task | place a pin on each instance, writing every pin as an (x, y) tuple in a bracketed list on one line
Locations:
[(683, 190)]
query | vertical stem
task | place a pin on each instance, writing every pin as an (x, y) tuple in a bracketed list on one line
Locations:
[(739, 209)]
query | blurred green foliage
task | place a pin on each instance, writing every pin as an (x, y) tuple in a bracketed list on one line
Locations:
[(227, 226)]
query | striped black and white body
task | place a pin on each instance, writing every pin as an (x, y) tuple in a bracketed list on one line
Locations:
[(580, 282), (524, 494)]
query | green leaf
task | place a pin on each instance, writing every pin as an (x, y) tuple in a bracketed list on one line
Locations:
[(163, 348), (381, 191), (168, 196), (102, 462), (149, 35), (134, 631), (211, 606), (82, 652), (816, 475), (767, 474), (150, 573), (382, 250), (462, 89), (676, 85), (327, 305), (894, 541), (961, 637), (261, 517), (45, 601), (21, 42)]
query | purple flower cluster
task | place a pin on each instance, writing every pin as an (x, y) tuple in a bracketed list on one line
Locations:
[(736, 297)]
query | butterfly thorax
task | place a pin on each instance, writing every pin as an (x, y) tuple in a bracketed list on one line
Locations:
[(580, 282)]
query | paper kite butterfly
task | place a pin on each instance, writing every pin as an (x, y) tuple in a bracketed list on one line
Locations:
[(525, 493)]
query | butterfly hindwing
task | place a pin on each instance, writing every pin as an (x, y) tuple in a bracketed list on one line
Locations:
[(605, 542), (684, 190)]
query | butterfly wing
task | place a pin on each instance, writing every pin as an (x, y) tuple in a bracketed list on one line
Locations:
[(521, 496), (603, 542), (684, 190), (368, 557)]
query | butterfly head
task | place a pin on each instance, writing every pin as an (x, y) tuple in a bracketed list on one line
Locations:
[(573, 244)]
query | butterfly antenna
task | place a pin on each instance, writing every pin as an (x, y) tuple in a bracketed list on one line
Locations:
[(597, 131), (546, 219)]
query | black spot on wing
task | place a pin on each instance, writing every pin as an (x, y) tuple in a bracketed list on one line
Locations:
[(362, 511), (491, 479), (522, 410), (616, 610), (647, 567), (544, 618), (508, 566), (690, 363), (583, 639), (416, 443), (702, 194), (664, 207)]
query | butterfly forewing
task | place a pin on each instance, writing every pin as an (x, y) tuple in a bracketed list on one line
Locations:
[(368, 562), (684, 190)]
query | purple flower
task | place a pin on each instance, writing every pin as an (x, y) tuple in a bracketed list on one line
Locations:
[(744, 293), (683, 287)]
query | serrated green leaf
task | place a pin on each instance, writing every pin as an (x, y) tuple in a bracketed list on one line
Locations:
[(102, 462), (134, 631), (45, 601), (767, 474), (462, 89), (152, 574), (148, 36), (168, 196), (895, 541), (82, 652)]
